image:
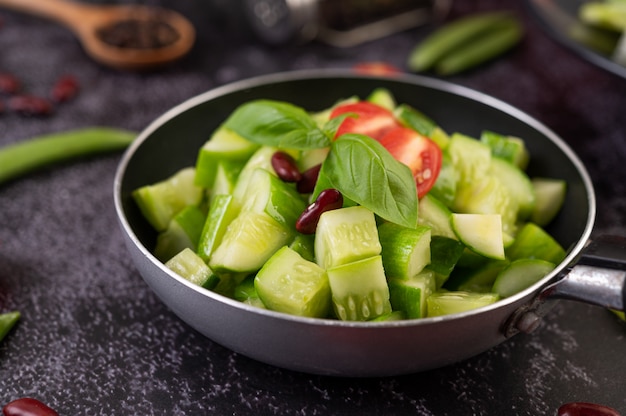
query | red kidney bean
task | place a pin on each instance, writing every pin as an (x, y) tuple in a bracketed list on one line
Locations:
[(306, 184), (30, 105), (9, 84), (327, 200), (65, 88), (586, 409), (285, 167), (27, 406)]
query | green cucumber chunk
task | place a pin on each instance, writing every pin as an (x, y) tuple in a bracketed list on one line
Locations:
[(534, 242), (304, 245), (409, 295), (481, 233), (266, 193), (434, 214), (405, 251), (518, 185), (224, 146), (509, 148), (383, 98), (312, 157), (519, 275), (183, 231), (226, 176), (290, 284), (346, 235), (448, 303), (479, 279), (7, 322), (445, 186), (391, 316), (245, 292), (191, 267), (550, 196), (248, 242), (471, 159), (359, 290), (160, 201), (444, 255), (414, 119), (221, 213)]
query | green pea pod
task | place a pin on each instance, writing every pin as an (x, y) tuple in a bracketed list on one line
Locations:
[(480, 50), (41, 151), (7, 322), (451, 36)]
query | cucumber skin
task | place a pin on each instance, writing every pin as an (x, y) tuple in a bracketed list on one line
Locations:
[(534, 242), (519, 275), (447, 303), (359, 290), (409, 295), (221, 213), (405, 251), (183, 232), (191, 267)]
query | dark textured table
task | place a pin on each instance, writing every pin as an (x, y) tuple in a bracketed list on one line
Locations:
[(94, 340)]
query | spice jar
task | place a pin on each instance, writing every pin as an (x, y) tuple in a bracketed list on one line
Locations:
[(341, 23)]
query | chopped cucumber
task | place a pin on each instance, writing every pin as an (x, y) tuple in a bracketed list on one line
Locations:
[(182, 232), (471, 159), (383, 98), (519, 275), (221, 213), (224, 146), (445, 186), (245, 292), (359, 290), (188, 265), (288, 283), (409, 295), (312, 157), (159, 202), (415, 119), (280, 200), (249, 241), (550, 196), (436, 215), (534, 242), (304, 245), (518, 185), (479, 279), (511, 149), (448, 303), (405, 251), (439, 136), (346, 235), (392, 316), (481, 233), (444, 254), (225, 178)]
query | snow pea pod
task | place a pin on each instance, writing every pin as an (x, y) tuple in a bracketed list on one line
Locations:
[(7, 322), (42, 151)]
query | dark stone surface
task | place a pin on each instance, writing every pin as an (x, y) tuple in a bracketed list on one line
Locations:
[(94, 340)]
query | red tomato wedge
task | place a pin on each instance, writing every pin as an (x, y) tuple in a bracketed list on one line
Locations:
[(366, 118), (418, 152), (376, 68)]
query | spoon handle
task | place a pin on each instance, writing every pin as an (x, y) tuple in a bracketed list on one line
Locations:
[(64, 11)]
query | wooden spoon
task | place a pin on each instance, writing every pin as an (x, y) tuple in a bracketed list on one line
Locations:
[(86, 20)]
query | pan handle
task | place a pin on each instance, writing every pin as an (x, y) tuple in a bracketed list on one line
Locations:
[(597, 278)]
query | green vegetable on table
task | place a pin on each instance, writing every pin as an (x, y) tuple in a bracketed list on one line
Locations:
[(42, 151), (7, 322), (603, 28), (466, 42)]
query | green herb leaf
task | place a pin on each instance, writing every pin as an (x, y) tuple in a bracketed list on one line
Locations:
[(277, 124), (366, 173)]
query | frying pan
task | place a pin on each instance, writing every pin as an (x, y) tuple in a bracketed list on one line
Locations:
[(356, 349)]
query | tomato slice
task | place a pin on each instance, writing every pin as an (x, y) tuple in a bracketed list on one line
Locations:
[(368, 118), (418, 152), (376, 68)]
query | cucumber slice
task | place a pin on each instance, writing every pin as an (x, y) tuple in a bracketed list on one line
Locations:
[(391, 316), (471, 159), (550, 196), (359, 290), (434, 214), (409, 295), (519, 275), (346, 235), (383, 98), (448, 303), (245, 292), (304, 245), (266, 193), (439, 136), (312, 157), (221, 213), (226, 176), (288, 283), (183, 232), (160, 201), (405, 251), (517, 183), (481, 233), (479, 279), (509, 148), (445, 186), (249, 241), (415, 119), (190, 266), (444, 254), (224, 145), (534, 242)]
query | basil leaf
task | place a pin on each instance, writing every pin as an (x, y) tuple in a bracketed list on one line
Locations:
[(366, 173), (277, 124)]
